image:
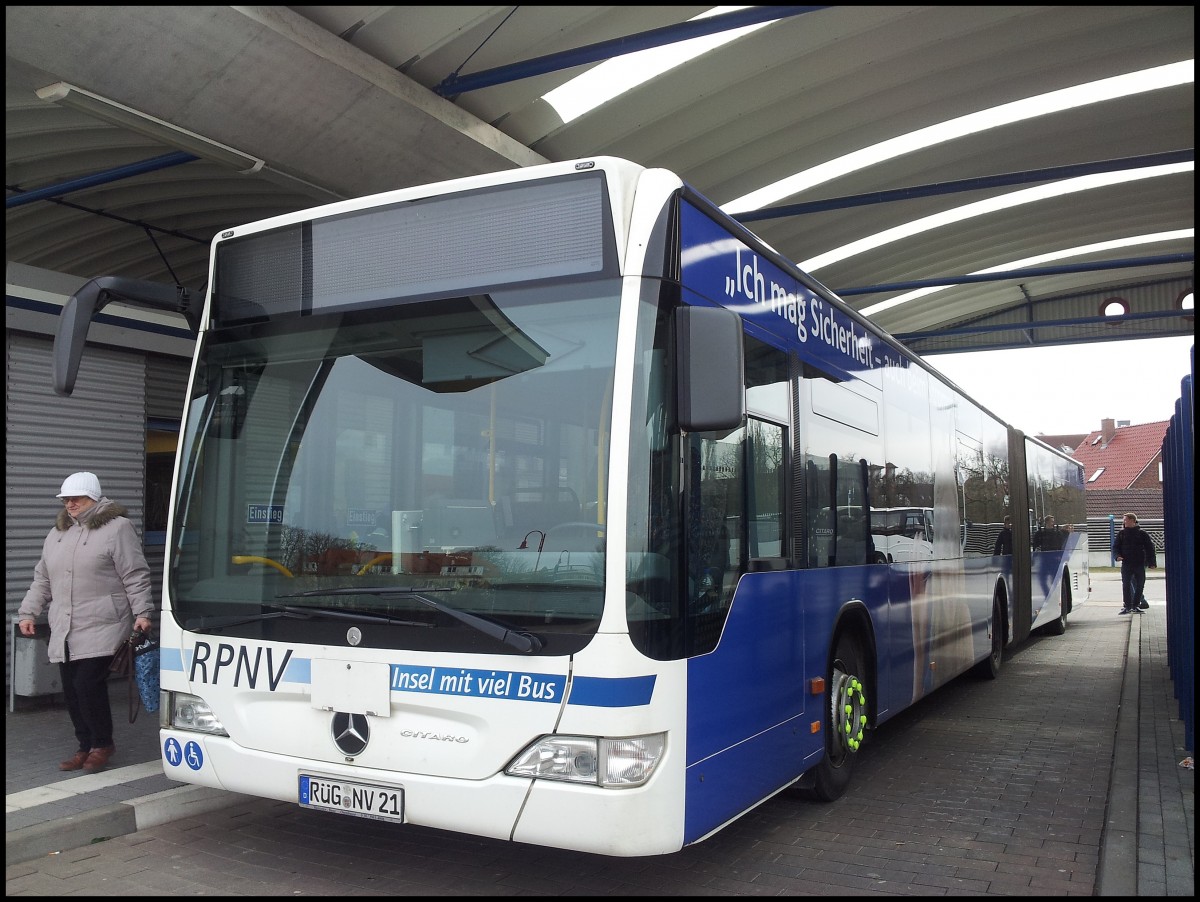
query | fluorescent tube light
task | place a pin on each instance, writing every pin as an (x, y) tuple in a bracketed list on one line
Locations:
[(76, 98)]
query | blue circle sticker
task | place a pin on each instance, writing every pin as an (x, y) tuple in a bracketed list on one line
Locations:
[(191, 754)]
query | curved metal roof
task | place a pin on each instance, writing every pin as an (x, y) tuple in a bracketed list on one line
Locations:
[(339, 101)]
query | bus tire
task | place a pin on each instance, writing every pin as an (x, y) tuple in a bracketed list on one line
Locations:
[(1059, 626), (844, 721), (989, 667)]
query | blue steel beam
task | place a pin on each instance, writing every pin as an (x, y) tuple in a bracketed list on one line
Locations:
[(453, 85), (1088, 337), (1019, 274), (100, 178), (976, 184), (1025, 325)]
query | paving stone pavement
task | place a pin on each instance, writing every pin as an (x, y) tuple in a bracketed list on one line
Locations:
[(1061, 778)]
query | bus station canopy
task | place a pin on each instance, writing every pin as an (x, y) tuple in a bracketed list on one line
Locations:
[(135, 134)]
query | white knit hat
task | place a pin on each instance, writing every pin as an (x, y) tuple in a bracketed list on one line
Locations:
[(80, 484)]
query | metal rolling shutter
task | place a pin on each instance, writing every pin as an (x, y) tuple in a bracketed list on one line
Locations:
[(101, 428)]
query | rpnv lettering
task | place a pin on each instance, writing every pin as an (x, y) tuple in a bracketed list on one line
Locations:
[(237, 665)]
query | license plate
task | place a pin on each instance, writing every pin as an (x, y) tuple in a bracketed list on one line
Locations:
[(380, 803)]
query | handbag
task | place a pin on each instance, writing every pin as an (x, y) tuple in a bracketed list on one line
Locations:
[(137, 659), (145, 671)]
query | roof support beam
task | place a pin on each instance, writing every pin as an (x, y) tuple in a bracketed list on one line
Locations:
[(1019, 274), (1086, 330), (976, 184), (453, 85), (1043, 324), (100, 178)]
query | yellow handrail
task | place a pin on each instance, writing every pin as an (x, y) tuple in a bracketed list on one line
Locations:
[(255, 559), (378, 559)]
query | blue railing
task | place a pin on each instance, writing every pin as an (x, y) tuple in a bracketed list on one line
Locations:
[(1179, 484)]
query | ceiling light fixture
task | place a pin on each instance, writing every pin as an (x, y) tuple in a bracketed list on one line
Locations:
[(77, 98)]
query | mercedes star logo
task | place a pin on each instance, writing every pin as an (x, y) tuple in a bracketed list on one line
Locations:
[(351, 733)]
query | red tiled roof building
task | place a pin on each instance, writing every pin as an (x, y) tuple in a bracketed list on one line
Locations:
[(1122, 469)]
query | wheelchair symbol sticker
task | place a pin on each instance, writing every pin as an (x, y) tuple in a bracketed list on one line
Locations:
[(191, 754)]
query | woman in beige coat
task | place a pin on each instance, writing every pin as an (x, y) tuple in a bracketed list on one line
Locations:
[(94, 578)]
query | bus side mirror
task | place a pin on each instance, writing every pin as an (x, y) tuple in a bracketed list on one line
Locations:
[(708, 354), (70, 338), (93, 297)]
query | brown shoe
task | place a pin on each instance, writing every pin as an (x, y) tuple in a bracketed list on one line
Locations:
[(97, 759), (74, 762)]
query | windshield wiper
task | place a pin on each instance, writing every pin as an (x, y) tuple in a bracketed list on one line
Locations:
[(518, 639), (293, 612)]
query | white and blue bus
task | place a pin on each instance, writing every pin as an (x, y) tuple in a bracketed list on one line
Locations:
[(537, 506)]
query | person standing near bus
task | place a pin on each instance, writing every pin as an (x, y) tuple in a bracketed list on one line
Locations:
[(94, 578), (1049, 537), (1135, 550), (1004, 540)]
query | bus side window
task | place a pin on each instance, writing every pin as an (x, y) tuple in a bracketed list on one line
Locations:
[(820, 513), (766, 495), (838, 516), (853, 546), (716, 520)]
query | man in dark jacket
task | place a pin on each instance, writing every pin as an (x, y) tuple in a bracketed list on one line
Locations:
[(1004, 544), (1135, 550), (1050, 537)]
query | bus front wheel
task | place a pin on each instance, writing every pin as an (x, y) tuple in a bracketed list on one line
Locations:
[(845, 719)]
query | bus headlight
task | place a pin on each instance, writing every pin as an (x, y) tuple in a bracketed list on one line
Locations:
[(182, 711), (610, 763)]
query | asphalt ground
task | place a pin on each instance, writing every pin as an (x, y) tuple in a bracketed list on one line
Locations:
[(1064, 777)]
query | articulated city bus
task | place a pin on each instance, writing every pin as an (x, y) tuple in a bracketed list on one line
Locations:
[(538, 505)]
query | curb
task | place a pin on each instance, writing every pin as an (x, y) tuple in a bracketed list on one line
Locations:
[(1116, 874), (122, 818)]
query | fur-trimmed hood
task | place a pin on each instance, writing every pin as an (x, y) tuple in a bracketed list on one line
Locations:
[(103, 511)]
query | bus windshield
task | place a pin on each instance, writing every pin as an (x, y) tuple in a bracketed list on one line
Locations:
[(434, 471)]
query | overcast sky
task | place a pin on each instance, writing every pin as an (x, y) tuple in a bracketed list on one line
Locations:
[(1069, 389)]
